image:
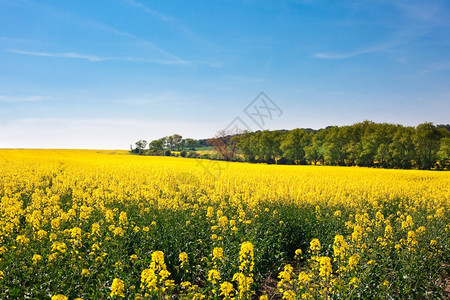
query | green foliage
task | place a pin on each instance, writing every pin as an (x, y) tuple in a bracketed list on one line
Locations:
[(365, 144), (294, 144), (427, 143), (444, 152), (157, 145), (191, 144), (192, 154)]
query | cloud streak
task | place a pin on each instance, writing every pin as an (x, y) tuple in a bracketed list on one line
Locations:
[(166, 56), (437, 67), (151, 11), (120, 33), (61, 55), (378, 48), (12, 99), (176, 25), (94, 58), (156, 54), (415, 21)]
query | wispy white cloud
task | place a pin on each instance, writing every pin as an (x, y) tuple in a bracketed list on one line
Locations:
[(153, 12), (153, 53), (176, 24), (211, 64), (437, 67), (245, 79), (167, 56), (340, 56), (12, 99), (62, 55), (154, 61), (379, 48), (95, 58), (168, 98), (415, 20), (163, 56), (422, 11), (12, 39)]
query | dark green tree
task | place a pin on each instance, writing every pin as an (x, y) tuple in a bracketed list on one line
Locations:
[(157, 145), (269, 146), (293, 145), (140, 146), (401, 148), (177, 142), (444, 152), (191, 144), (169, 144), (427, 142), (336, 145), (315, 151), (248, 146)]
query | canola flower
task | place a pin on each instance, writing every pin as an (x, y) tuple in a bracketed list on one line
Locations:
[(214, 276), (325, 268), (226, 290), (246, 257), (155, 279), (36, 258), (315, 245), (85, 272), (217, 253), (298, 254), (117, 288), (339, 247), (76, 215), (184, 259)]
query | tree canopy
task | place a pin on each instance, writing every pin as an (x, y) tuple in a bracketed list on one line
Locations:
[(367, 144)]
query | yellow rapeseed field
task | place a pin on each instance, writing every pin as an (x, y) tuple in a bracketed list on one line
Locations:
[(108, 225)]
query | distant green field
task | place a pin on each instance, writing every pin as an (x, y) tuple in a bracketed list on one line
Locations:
[(204, 148)]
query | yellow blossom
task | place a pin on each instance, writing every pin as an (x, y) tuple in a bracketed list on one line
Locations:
[(59, 246), (133, 257), (355, 282), (217, 253), (226, 289), (353, 261), (117, 288), (315, 245), (213, 276), (183, 258), (325, 268), (289, 295), (36, 258), (21, 239)]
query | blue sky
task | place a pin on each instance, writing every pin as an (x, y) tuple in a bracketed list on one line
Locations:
[(103, 74)]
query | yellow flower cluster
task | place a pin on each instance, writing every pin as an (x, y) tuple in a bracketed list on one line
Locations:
[(155, 279), (96, 220), (117, 288)]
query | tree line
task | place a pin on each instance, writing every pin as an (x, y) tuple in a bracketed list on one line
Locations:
[(367, 144), (166, 145)]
